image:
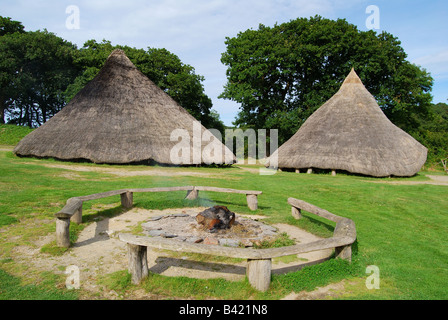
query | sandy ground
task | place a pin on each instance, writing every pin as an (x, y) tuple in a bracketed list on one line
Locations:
[(156, 171), (98, 252)]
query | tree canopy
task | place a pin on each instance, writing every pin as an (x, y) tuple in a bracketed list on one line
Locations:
[(35, 69), (433, 132), (40, 73), (282, 74)]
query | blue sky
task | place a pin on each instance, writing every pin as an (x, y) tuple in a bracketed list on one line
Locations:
[(195, 30)]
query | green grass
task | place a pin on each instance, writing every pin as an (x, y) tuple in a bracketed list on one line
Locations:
[(12, 288), (11, 134), (402, 229)]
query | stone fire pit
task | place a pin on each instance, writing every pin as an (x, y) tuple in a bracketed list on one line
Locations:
[(242, 232)]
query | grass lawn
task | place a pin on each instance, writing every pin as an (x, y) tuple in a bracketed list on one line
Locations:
[(401, 228)]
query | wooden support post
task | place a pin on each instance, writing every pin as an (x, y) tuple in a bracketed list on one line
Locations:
[(310, 170), (138, 263), (127, 200), (63, 232), (344, 253), (296, 212), (77, 217), (333, 173), (259, 273), (192, 194), (344, 228), (297, 170), (252, 201)]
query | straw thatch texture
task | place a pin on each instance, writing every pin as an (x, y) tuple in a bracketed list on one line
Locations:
[(119, 117), (351, 133)]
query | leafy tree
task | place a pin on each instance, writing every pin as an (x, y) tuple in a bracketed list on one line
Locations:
[(8, 26), (164, 68), (35, 70), (282, 74), (434, 132)]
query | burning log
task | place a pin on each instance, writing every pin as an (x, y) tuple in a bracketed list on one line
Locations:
[(217, 217)]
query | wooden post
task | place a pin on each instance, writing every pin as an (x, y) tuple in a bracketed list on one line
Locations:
[(63, 232), (310, 170), (296, 212), (77, 217), (252, 201), (127, 200), (344, 253), (344, 228), (297, 170), (192, 194), (138, 263), (333, 173), (259, 273)]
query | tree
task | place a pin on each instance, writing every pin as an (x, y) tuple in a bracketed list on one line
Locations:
[(35, 68), (434, 132), (164, 68), (7, 26), (282, 74)]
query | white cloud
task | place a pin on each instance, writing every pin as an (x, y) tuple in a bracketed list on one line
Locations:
[(436, 63), (195, 30)]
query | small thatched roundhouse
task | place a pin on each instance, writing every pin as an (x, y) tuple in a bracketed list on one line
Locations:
[(123, 117), (351, 133)]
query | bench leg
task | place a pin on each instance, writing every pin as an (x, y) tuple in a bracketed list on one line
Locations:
[(259, 273), (252, 201), (138, 263), (77, 217), (344, 253), (296, 213), (63, 232), (127, 200)]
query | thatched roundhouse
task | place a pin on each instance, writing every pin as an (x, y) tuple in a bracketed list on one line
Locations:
[(120, 117), (351, 133)]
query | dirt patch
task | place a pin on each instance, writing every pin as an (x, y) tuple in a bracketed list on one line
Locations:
[(125, 172), (98, 252), (439, 179), (434, 180), (6, 147), (333, 290)]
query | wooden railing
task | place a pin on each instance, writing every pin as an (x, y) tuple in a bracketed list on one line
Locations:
[(259, 261)]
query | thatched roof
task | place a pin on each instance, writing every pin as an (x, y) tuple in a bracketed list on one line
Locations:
[(119, 117), (351, 133)]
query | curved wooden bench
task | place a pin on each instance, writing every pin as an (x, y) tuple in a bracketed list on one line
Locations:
[(259, 261), (72, 211)]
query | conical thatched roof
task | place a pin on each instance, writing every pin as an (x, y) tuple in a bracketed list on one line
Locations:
[(120, 117), (351, 133)]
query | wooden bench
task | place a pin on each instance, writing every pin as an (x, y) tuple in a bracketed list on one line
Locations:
[(259, 261), (344, 227), (251, 196), (72, 211)]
